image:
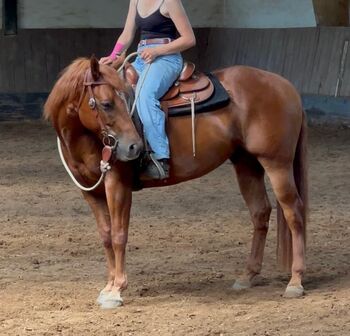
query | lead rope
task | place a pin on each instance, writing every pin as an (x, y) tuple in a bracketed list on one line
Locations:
[(104, 167)]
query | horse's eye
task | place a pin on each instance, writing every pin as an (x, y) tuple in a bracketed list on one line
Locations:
[(107, 105)]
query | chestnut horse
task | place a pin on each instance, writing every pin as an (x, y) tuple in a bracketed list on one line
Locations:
[(261, 130)]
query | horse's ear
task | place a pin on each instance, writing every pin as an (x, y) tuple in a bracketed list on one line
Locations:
[(95, 68)]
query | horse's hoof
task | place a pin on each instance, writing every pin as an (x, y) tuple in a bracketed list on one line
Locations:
[(241, 285), (102, 297), (110, 300), (294, 292), (111, 304)]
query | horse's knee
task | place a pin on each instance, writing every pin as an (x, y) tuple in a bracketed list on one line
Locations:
[(119, 240), (106, 238)]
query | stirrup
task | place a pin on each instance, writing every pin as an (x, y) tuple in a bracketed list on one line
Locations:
[(162, 173), (152, 169)]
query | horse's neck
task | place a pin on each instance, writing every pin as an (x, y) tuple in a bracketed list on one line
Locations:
[(79, 143)]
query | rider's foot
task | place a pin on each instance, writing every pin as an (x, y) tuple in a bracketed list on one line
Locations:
[(152, 172)]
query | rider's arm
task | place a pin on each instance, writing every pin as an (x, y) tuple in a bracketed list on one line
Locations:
[(187, 39), (125, 39), (129, 30)]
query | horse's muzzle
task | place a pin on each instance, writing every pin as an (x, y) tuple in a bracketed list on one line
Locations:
[(128, 150)]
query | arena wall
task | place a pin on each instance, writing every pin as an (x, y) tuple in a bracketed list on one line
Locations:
[(49, 38), (309, 57), (53, 14)]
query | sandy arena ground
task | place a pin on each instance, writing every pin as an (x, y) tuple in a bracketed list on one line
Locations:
[(187, 244)]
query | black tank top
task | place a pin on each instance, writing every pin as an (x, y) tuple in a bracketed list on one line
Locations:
[(155, 25)]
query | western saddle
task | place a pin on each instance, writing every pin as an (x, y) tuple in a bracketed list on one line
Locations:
[(191, 87)]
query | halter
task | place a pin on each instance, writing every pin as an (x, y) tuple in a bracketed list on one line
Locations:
[(108, 139), (110, 142)]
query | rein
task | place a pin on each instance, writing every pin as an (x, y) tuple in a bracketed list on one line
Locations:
[(141, 85)]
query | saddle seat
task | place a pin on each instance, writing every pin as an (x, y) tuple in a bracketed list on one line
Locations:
[(191, 86)]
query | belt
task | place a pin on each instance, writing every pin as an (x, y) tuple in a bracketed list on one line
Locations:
[(165, 40)]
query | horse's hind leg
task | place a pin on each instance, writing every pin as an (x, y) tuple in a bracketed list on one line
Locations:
[(250, 176), (283, 184), (100, 210)]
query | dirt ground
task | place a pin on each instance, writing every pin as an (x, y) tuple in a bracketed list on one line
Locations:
[(183, 255)]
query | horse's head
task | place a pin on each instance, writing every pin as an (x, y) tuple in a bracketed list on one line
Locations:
[(104, 108)]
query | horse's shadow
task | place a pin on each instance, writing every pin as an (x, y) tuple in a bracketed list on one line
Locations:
[(214, 290), (321, 282), (211, 290)]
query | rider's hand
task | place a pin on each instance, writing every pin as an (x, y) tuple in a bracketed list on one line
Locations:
[(106, 60), (149, 55)]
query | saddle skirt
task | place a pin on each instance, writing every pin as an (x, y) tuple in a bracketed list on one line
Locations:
[(191, 87)]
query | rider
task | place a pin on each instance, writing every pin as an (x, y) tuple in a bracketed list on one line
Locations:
[(165, 32)]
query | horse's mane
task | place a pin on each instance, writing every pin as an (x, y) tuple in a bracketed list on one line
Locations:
[(70, 83), (67, 87)]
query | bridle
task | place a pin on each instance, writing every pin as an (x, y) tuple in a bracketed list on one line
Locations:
[(110, 141)]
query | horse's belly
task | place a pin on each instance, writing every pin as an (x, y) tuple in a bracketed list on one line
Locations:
[(213, 144)]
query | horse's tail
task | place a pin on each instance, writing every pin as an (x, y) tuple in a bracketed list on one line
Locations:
[(284, 237)]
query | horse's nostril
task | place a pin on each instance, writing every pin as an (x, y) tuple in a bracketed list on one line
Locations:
[(134, 149)]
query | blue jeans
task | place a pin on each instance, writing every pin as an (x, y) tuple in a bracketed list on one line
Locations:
[(163, 72)]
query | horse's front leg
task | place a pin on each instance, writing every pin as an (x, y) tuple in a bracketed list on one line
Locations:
[(99, 207), (118, 193)]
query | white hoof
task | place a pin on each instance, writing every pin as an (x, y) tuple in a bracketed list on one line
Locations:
[(111, 304), (294, 292), (102, 296), (241, 285), (110, 300)]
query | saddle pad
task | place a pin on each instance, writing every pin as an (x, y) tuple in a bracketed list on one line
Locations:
[(219, 99)]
